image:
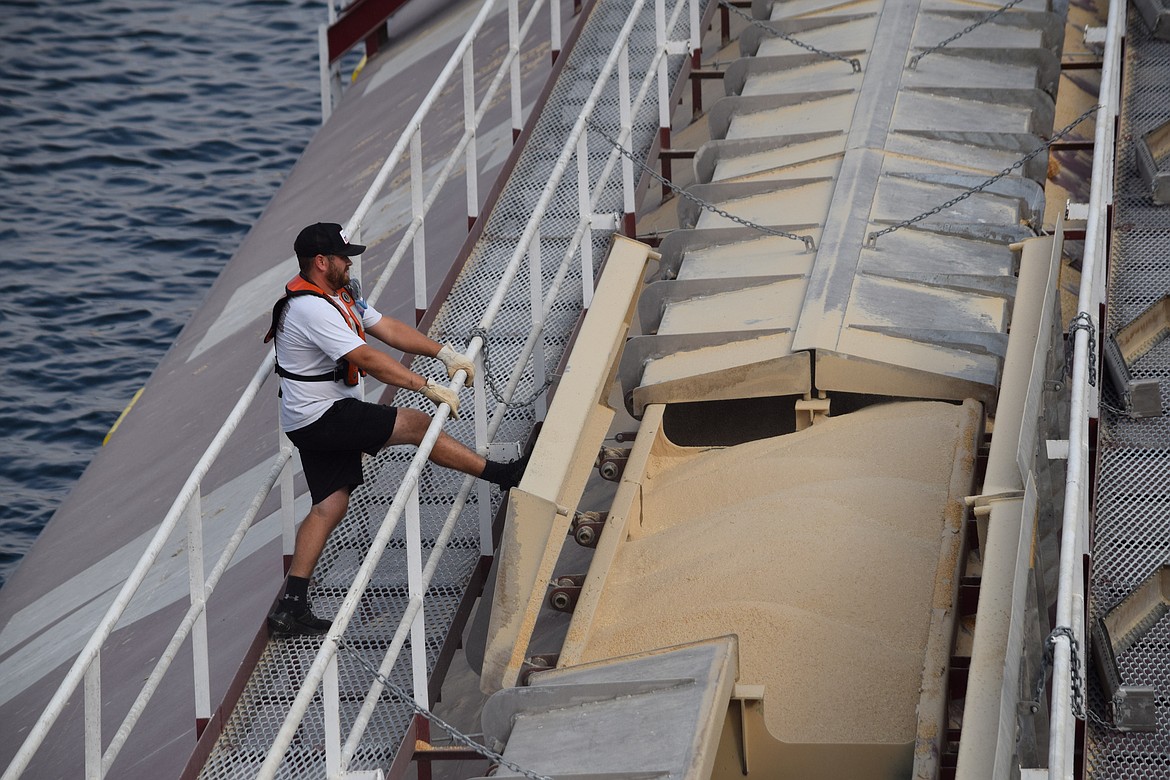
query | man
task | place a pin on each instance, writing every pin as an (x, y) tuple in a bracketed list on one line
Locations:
[(321, 353)]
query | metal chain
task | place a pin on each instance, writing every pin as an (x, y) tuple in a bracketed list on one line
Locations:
[(1074, 663), (851, 61), (871, 240), (809, 244), (456, 735), (1079, 704), (492, 383), (1083, 321), (914, 60)]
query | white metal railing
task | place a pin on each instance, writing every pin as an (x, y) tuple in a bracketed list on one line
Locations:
[(1084, 404), (323, 672), (187, 505)]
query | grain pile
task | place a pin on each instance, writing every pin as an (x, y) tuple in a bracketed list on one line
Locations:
[(818, 549)]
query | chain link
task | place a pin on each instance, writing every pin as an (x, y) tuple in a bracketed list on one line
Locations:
[(493, 385), (809, 244), (456, 735), (914, 60), (853, 62), (871, 240), (1083, 321)]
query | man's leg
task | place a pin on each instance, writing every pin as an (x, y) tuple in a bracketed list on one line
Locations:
[(411, 425), (314, 532), (293, 616)]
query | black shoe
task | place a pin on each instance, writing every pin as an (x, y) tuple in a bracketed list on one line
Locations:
[(513, 473), (283, 623)]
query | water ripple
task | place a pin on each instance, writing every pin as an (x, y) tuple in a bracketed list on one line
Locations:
[(129, 131)]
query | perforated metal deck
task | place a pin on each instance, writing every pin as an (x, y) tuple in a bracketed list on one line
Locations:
[(1132, 536), (265, 701)]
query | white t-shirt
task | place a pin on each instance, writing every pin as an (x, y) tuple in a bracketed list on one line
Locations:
[(311, 336)]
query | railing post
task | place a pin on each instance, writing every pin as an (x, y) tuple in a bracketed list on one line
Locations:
[(536, 292), (471, 165), (418, 633), (330, 74), (331, 702), (628, 204), (514, 46), (585, 211), (554, 35), (420, 245), (663, 89), (482, 489), (195, 578), (93, 718), (288, 519)]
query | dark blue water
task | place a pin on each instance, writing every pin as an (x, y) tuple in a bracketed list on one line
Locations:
[(138, 143)]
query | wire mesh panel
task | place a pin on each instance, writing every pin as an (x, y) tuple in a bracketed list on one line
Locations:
[(267, 697), (1132, 532)]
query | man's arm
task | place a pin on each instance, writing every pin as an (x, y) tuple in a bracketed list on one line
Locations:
[(401, 336), (388, 370), (385, 368)]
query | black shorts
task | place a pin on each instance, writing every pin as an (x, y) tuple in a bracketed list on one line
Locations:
[(331, 447)]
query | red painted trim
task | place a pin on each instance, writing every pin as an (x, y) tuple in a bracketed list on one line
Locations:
[(357, 23)]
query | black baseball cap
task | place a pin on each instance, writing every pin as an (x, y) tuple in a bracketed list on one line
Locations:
[(325, 238)]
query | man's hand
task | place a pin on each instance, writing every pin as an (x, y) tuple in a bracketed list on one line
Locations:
[(441, 395), (454, 361)]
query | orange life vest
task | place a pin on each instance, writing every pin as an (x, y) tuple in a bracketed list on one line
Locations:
[(344, 370)]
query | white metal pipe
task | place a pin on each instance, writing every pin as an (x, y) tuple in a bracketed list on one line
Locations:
[(1075, 518), (629, 205), (416, 589), (195, 582), (483, 489), (514, 48), (416, 207), (585, 216), (331, 704), (535, 299), (471, 160), (554, 34), (325, 73), (93, 720), (288, 520)]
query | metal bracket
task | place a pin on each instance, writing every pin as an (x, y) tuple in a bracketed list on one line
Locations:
[(611, 462), (565, 592), (586, 527)]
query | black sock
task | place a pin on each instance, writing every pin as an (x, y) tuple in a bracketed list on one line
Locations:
[(296, 595), (506, 475), (494, 471)]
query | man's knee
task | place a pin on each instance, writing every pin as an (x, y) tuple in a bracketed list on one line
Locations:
[(332, 509), (410, 425)]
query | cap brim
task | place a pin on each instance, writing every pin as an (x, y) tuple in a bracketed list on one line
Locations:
[(353, 249)]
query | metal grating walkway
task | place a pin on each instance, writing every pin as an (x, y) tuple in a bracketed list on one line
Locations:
[(1132, 532), (266, 699)]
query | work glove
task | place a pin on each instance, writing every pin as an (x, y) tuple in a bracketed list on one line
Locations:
[(441, 395), (454, 361)]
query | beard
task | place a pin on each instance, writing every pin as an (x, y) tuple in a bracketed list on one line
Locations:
[(337, 278)]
